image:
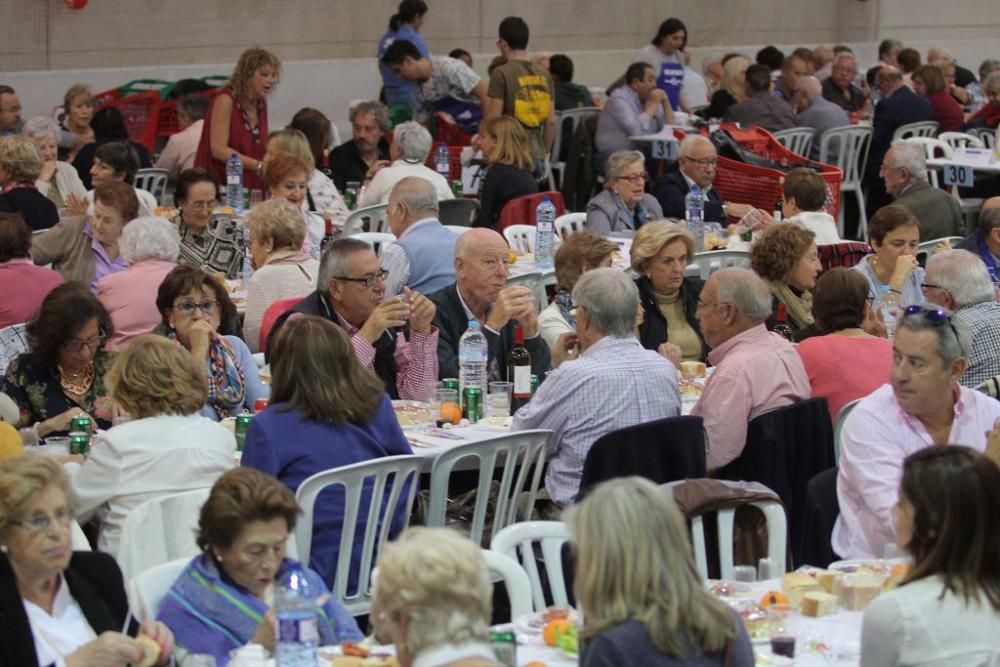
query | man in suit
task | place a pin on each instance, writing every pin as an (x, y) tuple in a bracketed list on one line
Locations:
[(480, 293), (904, 172), (696, 165), (899, 106), (761, 107), (817, 112), (985, 241)]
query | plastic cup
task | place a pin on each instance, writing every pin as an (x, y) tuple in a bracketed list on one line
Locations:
[(57, 446), (499, 398), (745, 573)]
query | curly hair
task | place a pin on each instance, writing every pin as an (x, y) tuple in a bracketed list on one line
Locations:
[(278, 221), (239, 497), (580, 249), (156, 376), (779, 249), (62, 315), (250, 61)]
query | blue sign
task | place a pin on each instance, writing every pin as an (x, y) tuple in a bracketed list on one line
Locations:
[(670, 81)]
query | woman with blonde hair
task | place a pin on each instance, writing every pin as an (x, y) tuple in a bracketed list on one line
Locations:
[(321, 193), (237, 118), (509, 173), (21, 164), (433, 599), (642, 599), (732, 87), (78, 110)]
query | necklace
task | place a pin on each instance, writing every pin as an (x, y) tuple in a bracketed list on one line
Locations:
[(78, 382), (877, 268)]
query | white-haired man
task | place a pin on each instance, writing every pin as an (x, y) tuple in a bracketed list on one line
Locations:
[(904, 172), (613, 369), (411, 144), (817, 112), (839, 87)]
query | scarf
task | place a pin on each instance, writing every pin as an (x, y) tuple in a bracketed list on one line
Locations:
[(564, 301), (226, 390), (799, 307)]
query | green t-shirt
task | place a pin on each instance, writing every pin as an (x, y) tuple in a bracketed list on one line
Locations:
[(527, 93)]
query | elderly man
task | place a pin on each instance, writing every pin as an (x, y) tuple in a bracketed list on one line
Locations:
[(181, 147), (942, 57), (761, 107), (888, 50), (613, 369), (923, 406), (479, 293), (904, 172), (423, 256), (793, 69), (696, 165), (10, 111), (817, 112), (392, 337), (636, 108), (411, 144), (839, 87), (985, 241), (351, 160), (958, 281), (755, 370)]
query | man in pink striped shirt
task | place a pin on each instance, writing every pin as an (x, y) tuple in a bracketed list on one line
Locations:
[(755, 370), (923, 406)]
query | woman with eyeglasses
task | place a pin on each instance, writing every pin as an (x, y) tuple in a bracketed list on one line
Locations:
[(624, 205), (509, 167), (62, 374), (193, 304), (59, 606), (213, 244)]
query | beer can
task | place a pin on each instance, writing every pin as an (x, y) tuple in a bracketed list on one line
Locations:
[(472, 404), (450, 383), (456, 187), (534, 384), (79, 443), (504, 647), (242, 426), (80, 424)]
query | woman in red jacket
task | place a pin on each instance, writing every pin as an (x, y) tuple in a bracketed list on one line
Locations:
[(928, 81)]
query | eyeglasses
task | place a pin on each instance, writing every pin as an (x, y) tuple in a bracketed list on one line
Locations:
[(202, 205), (40, 522), (930, 286), (368, 281), (187, 307), (77, 344), (702, 162), (634, 178), (703, 304)]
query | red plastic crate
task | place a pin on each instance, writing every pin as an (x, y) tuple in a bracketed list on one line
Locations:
[(141, 114)]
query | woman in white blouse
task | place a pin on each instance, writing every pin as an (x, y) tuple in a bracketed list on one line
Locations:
[(947, 609), (282, 269), (58, 179)]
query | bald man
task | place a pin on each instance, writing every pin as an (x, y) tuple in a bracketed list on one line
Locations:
[(422, 257), (817, 112), (480, 292)]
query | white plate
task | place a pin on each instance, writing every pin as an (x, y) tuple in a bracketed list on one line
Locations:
[(419, 413), (877, 565)]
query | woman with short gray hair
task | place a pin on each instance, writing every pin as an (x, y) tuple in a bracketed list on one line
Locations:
[(57, 179), (150, 245), (411, 144), (624, 205)]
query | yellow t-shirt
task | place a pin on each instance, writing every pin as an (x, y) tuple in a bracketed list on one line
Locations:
[(679, 330)]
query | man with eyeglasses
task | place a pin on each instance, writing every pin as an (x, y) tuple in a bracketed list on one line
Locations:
[(839, 87), (922, 406), (638, 107), (393, 337), (10, 112), (696, 165), (904, 173)]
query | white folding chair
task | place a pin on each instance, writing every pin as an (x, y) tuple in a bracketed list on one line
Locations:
[(515, 580), (521, 457), (529, 280), (931, 147), (457, 229), (987, 136), (78, 541), (850, 145), (521, 237), (545, 279), (153, 181), (160, 530), (713, 260), (375, 217), (799, 140), (569, 223), (961, 140), (518, 541), (147, 589), (377, 240), (925, 128), (566, 121), (13, 342), (387, 476), (838, 424), (927, 249)]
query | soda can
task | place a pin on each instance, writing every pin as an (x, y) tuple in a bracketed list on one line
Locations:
[(79, 443), (504, 647), (350, 198), (534, 384), (260, 405), (450, 383), (456, 187), (80, 424), (242, 426), (472, 404)]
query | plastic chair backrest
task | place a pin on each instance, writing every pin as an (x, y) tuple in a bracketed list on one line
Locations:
[(986, 135), (518, 541), (271, 315), (160, 530), (850, 143), (377, 240), (375, 217), (838, 424), (146, 590), (515, 580), (713, 260), (78, 540), (931, 146), (521, 210), (925, 128), (520, 237), (566, 124), (961, 140), (13, 342), (570, 223), (396, 472), (458, 212), (799, 140), (521, 456), (926, 249), (153, 181), (529, 280), (457, 229)]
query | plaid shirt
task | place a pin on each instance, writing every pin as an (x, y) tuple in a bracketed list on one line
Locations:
[(983, 320)]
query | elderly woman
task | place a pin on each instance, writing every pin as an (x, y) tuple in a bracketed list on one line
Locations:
[(63, 374), (433, 600), (509, 166), (624, 205), (846, 363), (732, 86), (109, 127), (192, 304), (20, 165), (223, 599), (946, 610), (57, 179), (578, 254), (660, 253), (161, 389), (24, 284), (59, 606), (894, 236), (287, 176), (208, 242), (282, 270), (149, 246), (114, 161), (804, 196), (411, 144), (323, 193), (642, 600), (785, 256), (989, 114), (78, 107), (86, 249), (237, 118), (928, 81), (321, 394)]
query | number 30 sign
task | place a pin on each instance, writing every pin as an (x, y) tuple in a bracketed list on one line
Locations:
[(958, 174)]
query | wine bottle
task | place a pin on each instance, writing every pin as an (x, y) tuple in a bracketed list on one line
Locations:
[(519, 370), (782, 328), (328, 233)]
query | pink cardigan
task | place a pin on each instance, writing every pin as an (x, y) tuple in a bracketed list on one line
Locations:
[(130, 298)]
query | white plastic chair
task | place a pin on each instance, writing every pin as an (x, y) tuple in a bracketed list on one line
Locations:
[(518, 541), (850, 144), (78, 540), (515, 580), (838, 424), (931, 147), (925, 128), (713, 260), (13, 342), (376, 217), (153, 181), (520, 237), (529, 280), (457, 229), (799, 140), (961, 140), (395, 471), (570, 223), (571, 118), (147, 589), (927, 249), (160, 530), (545, 279), (377, 240), (985, 135), (520, 457)]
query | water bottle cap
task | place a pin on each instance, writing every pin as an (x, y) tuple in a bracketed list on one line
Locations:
[(546, 198), (473, 324), (695, 189)]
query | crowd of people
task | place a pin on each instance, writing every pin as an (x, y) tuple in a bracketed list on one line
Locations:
[(128, 319)]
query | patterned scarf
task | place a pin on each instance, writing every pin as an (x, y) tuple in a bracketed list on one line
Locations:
[(564, 301), (226, 390)]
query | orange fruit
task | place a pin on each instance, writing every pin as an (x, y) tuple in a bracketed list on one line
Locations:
[(773, 597), (555, 628), (899, 570), (450, 412), (536, 663)]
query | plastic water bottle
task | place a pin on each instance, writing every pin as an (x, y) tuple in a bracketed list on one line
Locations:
[(473, 354), (297, 633), (545, 234), (234, 184), (888, 306), (247, 266), (694, 208), (442, 161)]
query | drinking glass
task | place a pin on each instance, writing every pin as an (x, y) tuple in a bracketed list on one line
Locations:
[(256, 197), (446, 403), (767, 568), (498, 401), (57, 446), (745, 573)]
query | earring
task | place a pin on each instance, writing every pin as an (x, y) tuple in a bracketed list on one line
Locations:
[(3, 548)]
